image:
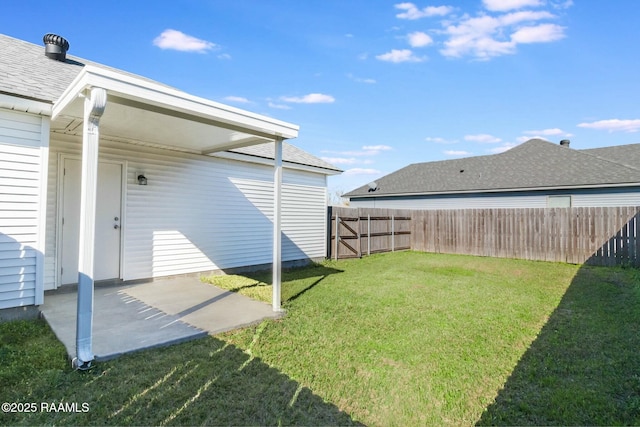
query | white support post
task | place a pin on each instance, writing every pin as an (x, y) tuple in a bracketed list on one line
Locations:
[(94, 104), (277, 225)]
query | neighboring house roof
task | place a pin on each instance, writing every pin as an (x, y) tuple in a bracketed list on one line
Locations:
[(27, 73), (535, 164)]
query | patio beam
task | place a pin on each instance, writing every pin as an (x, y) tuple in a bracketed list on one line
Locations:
[(94, 104), (277, 225)]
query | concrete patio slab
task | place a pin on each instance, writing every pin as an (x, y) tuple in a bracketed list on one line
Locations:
[(129, 318)]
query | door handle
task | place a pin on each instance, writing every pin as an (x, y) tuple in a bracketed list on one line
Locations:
[(116, 226)]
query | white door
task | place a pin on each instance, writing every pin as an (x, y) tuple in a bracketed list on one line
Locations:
[(108, 219)]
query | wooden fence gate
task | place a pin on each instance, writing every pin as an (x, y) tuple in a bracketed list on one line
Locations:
[(364, 231)]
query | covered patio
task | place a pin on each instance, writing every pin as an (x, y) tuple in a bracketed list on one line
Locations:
[(157, 313), (104, 104)]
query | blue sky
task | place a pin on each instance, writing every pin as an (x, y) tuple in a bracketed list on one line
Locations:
[(377, 85)]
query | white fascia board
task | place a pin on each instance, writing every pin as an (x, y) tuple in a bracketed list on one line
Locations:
[(501, 190), (25, 105), (151, 93), (270, 162)]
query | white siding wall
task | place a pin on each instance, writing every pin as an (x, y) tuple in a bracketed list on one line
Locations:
[(625, 198), (200, 213), (463, 202), (23, 167), (579, 198)]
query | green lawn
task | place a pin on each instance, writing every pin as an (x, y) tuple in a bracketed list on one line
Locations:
[(395, 339)]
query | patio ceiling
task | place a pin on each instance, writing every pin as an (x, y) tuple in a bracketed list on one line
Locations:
[(144, 112)]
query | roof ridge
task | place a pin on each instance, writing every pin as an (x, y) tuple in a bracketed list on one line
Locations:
[(609, 160)]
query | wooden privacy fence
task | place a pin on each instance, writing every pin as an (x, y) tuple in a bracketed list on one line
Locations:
[(592, 235), (358, 232)]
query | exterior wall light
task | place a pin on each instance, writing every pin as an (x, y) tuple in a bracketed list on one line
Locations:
[(142, 180)]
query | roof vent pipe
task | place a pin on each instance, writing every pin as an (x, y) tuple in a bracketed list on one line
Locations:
[(565, 143), (55, 47)]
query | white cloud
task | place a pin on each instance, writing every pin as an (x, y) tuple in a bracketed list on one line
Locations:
[(473, 36), (340, 160), (312, 98), (543, 33), (279, 106), (523, 16), (504, 5), (361, 80), (501, 149), (439, 140), (237, 99), (224, 56), (400, 55), (361, 171), (549, 132), (412, 12), (613, 125), (377, 148), (561, 4), (419, 39), (488, 36), (482, 138), (457, 153), (177, 40), (367, 150), (497, 30)]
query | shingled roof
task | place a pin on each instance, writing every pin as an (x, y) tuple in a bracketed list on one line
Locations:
[(533, 165), (26, 72), (290, 153)]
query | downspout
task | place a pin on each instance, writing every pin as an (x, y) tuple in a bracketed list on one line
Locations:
[(277, 225), (94, 105)]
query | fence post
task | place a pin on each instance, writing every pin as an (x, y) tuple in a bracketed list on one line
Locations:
[(337, 233), (393, 234), (369, 234)]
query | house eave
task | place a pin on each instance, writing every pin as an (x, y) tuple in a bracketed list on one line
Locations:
[(494, 191)]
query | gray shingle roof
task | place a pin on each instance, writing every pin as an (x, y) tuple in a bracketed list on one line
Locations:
[(628, 155), (531, 165), (290, 153), (26, 72)]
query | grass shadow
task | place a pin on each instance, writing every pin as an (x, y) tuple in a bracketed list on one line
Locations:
[(206, 382), (583, 367), (296, 281)]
